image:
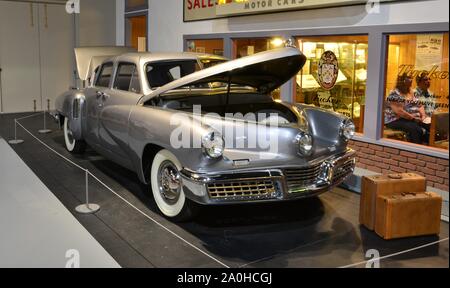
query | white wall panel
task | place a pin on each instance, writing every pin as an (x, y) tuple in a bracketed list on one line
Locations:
[(120, 22), (57, 56), (19, 56), (36, 50), (97, 23)]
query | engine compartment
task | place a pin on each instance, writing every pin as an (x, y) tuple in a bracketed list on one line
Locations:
[(262, 105)]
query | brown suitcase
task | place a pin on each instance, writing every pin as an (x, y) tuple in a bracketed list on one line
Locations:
[(407, 215), (373, 186)]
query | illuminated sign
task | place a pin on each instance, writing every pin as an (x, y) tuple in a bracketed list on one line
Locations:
[(199, 9)]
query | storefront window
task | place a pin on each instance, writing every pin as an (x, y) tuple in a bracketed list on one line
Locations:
[(136, 32), (416, 91), (338, 85), (210, 46), (250, 46), (135, 5), (136, 24), (246, 47)]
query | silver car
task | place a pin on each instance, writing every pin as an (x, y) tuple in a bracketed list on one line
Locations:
[(202, 130)]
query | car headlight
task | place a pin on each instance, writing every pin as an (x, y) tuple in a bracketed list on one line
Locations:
[(304, 142), (213, 144), (348, 129)]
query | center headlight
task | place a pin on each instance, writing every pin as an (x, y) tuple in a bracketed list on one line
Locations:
[(348, 129), (213, 144), (305, 143)]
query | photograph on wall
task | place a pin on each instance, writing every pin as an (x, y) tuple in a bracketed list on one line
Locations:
[(428, 51)]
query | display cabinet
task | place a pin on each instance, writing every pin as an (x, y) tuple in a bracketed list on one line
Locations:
[(348, 94)]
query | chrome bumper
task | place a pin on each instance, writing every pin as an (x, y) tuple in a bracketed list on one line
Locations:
[(268, 185)]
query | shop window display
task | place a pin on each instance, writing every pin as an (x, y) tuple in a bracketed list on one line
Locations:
[(416, 90), (346, 93), (250, 46), (210, 46)]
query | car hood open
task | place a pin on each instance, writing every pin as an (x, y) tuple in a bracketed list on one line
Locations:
[(265, 71)]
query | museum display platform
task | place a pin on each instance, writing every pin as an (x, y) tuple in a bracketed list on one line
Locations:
[(318, 232), (37, 230)]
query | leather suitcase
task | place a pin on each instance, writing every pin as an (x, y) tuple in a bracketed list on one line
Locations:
[(408, 214), (373, 186)]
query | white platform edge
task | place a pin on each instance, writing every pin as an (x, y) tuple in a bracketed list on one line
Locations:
[(37, 229)]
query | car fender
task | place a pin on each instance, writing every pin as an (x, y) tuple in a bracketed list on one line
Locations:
[(71, 105)]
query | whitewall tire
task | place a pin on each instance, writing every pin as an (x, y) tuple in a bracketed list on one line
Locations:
[(167, 188), (72, 145)]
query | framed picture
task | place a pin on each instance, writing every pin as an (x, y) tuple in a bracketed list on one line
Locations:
[(200, 49), (218, 52), (191, 46)]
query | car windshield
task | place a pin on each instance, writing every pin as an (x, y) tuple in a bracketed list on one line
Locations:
[(161, 73), (209, 62), (212, 87)]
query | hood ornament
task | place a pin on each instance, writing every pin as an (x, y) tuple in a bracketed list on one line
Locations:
[(290, 42)]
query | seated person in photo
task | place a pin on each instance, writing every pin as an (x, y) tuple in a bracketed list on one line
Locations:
[(423, 94), (404, 112)]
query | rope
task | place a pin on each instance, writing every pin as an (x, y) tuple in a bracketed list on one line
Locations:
[(123, 199), (395, 254)]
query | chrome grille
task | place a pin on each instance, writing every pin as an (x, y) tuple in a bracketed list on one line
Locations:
[(242, 189), (343, 170), (302, 177)]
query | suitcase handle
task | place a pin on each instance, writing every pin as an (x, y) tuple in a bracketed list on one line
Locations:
[(409, 193), (395, 176)]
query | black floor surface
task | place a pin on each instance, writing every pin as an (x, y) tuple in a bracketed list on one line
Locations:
[(318, 232)]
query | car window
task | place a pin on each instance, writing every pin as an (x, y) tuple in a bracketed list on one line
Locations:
[(105, 75), (207, 62), (127, 78), (175, 72), (91, 78), (161, 73)]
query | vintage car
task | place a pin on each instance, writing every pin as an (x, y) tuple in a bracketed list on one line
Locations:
[(167, 117)]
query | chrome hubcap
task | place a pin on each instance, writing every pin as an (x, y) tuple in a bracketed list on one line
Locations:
[(169, 182)]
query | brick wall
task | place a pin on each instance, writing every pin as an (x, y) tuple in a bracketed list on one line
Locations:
[(387, 160)]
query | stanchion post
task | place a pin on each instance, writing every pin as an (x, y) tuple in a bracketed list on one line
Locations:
[(87, 208), (15, 141), (45, 130)]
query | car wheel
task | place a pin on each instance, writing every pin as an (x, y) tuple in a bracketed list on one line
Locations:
[(72, 145), (167, 188)]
